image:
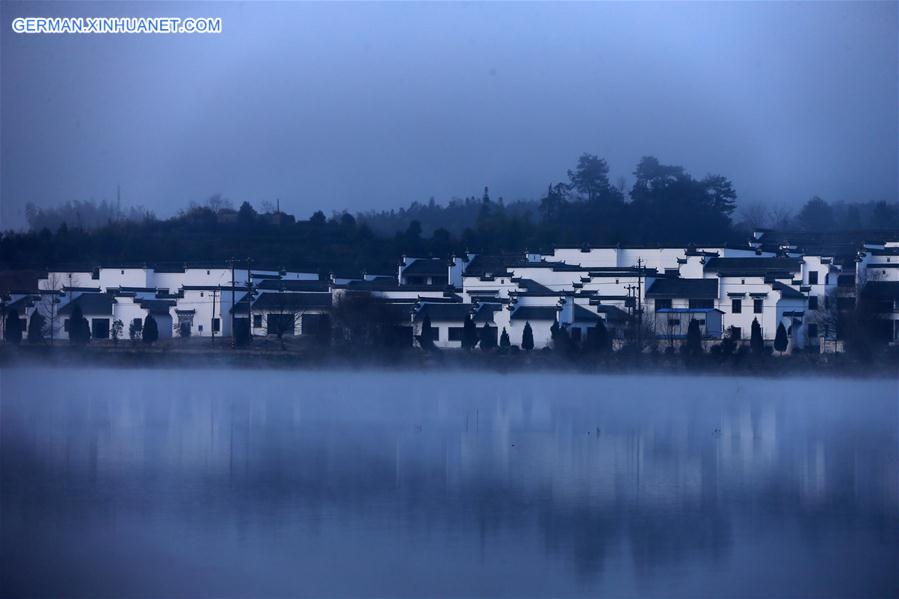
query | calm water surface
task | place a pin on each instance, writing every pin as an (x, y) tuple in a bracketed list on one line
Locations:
[(237, 483)]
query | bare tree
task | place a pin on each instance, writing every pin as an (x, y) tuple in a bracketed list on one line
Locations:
[(754, 215), (48, 306)]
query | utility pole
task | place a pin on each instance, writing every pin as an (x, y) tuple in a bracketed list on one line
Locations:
[(640, 303), (233, 306), (249, 299), (212, 324)]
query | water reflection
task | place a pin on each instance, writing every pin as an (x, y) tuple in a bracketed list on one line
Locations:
[(274, 483)]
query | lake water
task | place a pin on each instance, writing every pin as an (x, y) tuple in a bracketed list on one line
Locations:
[(271, 483)]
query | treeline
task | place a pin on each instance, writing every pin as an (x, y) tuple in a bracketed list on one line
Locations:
[(665, 205)]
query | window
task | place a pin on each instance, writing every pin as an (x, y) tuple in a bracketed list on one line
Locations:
[(207, 272), (758, 306), (827, 302), (702, 304), (736, 306), (576, 334), (201, 294), (454, 334), (216, 325), (813, 277), (673, 323), (846, 281), (65, 325), (257, 320), (200, 328), (812, 331), (138, 324), (435, 333), (662, 304), (123, 272), (700, 321), (813, 302), (736, 332)]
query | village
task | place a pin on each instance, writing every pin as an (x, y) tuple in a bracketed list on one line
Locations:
[(793, 293)]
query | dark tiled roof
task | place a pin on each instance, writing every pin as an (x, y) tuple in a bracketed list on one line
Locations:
[(444, 312), (293, 285), (683, 288), (427, 267), (582, 314), (535, 313), (483, 264), (21, 304), (787, 291), (156, 306), (292, 301), (532, 286), (752, 266), (91, 304)]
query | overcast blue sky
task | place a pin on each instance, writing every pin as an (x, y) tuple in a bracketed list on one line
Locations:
[(358, 106)]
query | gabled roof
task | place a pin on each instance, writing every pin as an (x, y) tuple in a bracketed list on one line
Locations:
[(452, 312), (21, 304), (156, 306), (482, 265), (293, 285), (427, 267), (582, 314), (683, 288), (535, 313), (291, 301), (531, 286), (786, 291), (93, 304)]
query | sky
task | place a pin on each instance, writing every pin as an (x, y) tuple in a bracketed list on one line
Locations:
[(337, 106)]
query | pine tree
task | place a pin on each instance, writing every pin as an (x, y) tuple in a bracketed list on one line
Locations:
[(151, 329), (504, 339), (527, 337), (694, 338), (488, 337), (79, 330), (780, 340), (12, 333), (426, 339), (756, 343), (601, 339), (469, 333), (36, 328)]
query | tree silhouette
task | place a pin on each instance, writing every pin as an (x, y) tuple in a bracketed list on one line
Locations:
[(780, 340), (12, 332), (469, 333), (504, 342), (151, 329), (488, 337), (36, 327), (694, 338), (756, 343), (527, 337), (426, 339), (79, 329)]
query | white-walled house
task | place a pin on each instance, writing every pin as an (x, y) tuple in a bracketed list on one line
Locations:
[(289, 313), (672, 303)]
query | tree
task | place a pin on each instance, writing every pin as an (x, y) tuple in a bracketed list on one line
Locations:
[(426, 338), (729, 343), (601, 339), (134, 330), (504, 342), (488, 337), (12, 333), (79, 329), (694, 339), (151, 329), (780, 340), (816, 215), (590, 177), (246, 214), (36, 328), (469, 333), (756, 343), (527, 337), (116, 331)]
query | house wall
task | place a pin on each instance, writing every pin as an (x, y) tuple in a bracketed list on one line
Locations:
[(768, 319), (125, 277), (201, 301), (59, 279)]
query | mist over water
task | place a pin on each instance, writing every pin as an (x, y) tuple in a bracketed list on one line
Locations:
[(274, 483)]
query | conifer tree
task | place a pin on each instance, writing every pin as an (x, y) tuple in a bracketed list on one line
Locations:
[(151, 329), (527, 337), (756, 343), (780, 340), (79, 330), (12, 332), (469, 333), (694, 338), (504, 339), (36, 328)]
